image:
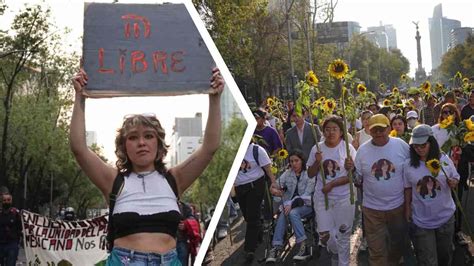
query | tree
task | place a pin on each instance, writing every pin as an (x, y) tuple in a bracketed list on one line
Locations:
[(208, 187), (460, 58)]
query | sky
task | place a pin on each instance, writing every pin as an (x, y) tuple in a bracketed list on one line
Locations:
[(400, 14)]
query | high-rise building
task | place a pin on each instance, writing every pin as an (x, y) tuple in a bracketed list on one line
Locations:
[(229, 107), (384, 36), (186, 138), (337, 32), (459, 36), (440, 29)]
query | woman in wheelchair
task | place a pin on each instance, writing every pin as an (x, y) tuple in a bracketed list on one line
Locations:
[(296, 190), (334, 223)]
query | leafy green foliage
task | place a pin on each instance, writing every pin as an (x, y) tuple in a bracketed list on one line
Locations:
[(459, 59), (207, 188)]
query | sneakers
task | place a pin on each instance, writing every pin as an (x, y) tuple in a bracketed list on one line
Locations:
[(221, 233), (461, 238), (303, 253), (273, 255), (249, 256)]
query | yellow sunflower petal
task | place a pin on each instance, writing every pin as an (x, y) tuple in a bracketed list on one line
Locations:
[(469, 137), (337, 69), (433, 166)]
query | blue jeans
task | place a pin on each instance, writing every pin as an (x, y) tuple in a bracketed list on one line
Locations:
[(294, 216), (9, 253), (183, 253), (127, 257)]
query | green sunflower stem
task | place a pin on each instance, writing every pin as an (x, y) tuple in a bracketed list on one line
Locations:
[(321, 169), (348, 152), (458, 204)]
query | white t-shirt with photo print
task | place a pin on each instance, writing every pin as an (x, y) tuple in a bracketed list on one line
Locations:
[(381, 169), (333, 163), (432, 204), (249, 170)]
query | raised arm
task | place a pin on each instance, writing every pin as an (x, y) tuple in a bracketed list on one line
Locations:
[(100, 173), (189, 170)]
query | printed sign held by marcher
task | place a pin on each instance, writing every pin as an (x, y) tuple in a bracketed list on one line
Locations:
[(51, 242), (143, 49)]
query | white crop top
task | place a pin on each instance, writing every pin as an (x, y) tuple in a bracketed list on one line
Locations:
[(146, 195)]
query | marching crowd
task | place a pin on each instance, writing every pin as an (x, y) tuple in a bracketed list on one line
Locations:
[(407, 163)]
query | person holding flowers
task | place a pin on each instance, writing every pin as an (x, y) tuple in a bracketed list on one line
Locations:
[(399, 127), (449, 114), (296, 192), (383, 198), (335, 222), (432, 216), (449, 97)]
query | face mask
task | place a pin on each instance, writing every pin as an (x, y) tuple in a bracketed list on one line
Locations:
[(293, 124), (6, 206), (411, 123)]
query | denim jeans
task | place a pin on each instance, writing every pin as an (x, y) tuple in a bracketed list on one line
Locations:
[(434, 246), (127, 257), (9, 253), (377, 224), (294, 216)]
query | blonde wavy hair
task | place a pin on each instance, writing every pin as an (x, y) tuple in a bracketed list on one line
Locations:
[(123, 164)]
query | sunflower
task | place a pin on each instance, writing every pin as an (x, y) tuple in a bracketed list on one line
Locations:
[(337, 69), (361, 89), (458, 75), (274, 170), (438, 86), (426, 86), (469, 137), (311, 79), (433, 166), (282, 154), (270, 102), (465, 80), (446, 122), (469, 124), (382, 86), (316, 104), (404, 78), (322, 99), (393, 133), (395, 90), (386, 102), (329, 106)]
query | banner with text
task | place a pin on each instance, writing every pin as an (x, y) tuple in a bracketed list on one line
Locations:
[(143, 49), (56, 242)]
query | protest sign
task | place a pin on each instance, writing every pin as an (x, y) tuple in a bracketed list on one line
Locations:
[(56, 242), (143, 49)]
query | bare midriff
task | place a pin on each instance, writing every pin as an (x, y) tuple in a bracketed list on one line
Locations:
[(147, 242)]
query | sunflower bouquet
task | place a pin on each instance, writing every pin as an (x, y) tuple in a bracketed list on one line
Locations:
[(279, 164), (276, 109), (459, 135), (435, 167)]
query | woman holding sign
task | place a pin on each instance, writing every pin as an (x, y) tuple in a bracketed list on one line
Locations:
[(145, 217)]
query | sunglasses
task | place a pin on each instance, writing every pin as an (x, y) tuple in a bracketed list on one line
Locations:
[(147, 115), (447, 112), (420, 146)]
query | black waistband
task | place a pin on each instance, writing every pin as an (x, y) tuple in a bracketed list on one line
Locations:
[(128, 223), (252, 184)]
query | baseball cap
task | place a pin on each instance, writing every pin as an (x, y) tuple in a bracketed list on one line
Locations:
[(412, 114), (378, 120), (420, 134)]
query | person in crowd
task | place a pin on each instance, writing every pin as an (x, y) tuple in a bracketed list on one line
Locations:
[(146, 215), (429, 205), (300, 137), (189, 235), (383, 198), (296, 190), (449, 97), (250, 189), (412, 120), (441, 134), (427, 113), (272, 140), (460, 99), (374, 108), (400, 125), (468, 110), (69, 214), (10, 231), (334, 224)]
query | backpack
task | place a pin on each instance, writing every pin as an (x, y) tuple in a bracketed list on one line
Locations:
[(193, 232), (116, 189)]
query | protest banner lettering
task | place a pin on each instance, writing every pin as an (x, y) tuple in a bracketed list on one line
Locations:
[(143, 49), (49, 242)]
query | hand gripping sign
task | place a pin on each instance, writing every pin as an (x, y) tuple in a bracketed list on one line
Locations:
[(143, 49)]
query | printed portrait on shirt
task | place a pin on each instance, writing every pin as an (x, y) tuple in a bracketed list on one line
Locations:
[(427, 187), (331, 169), (382, 169), (244, 166)]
